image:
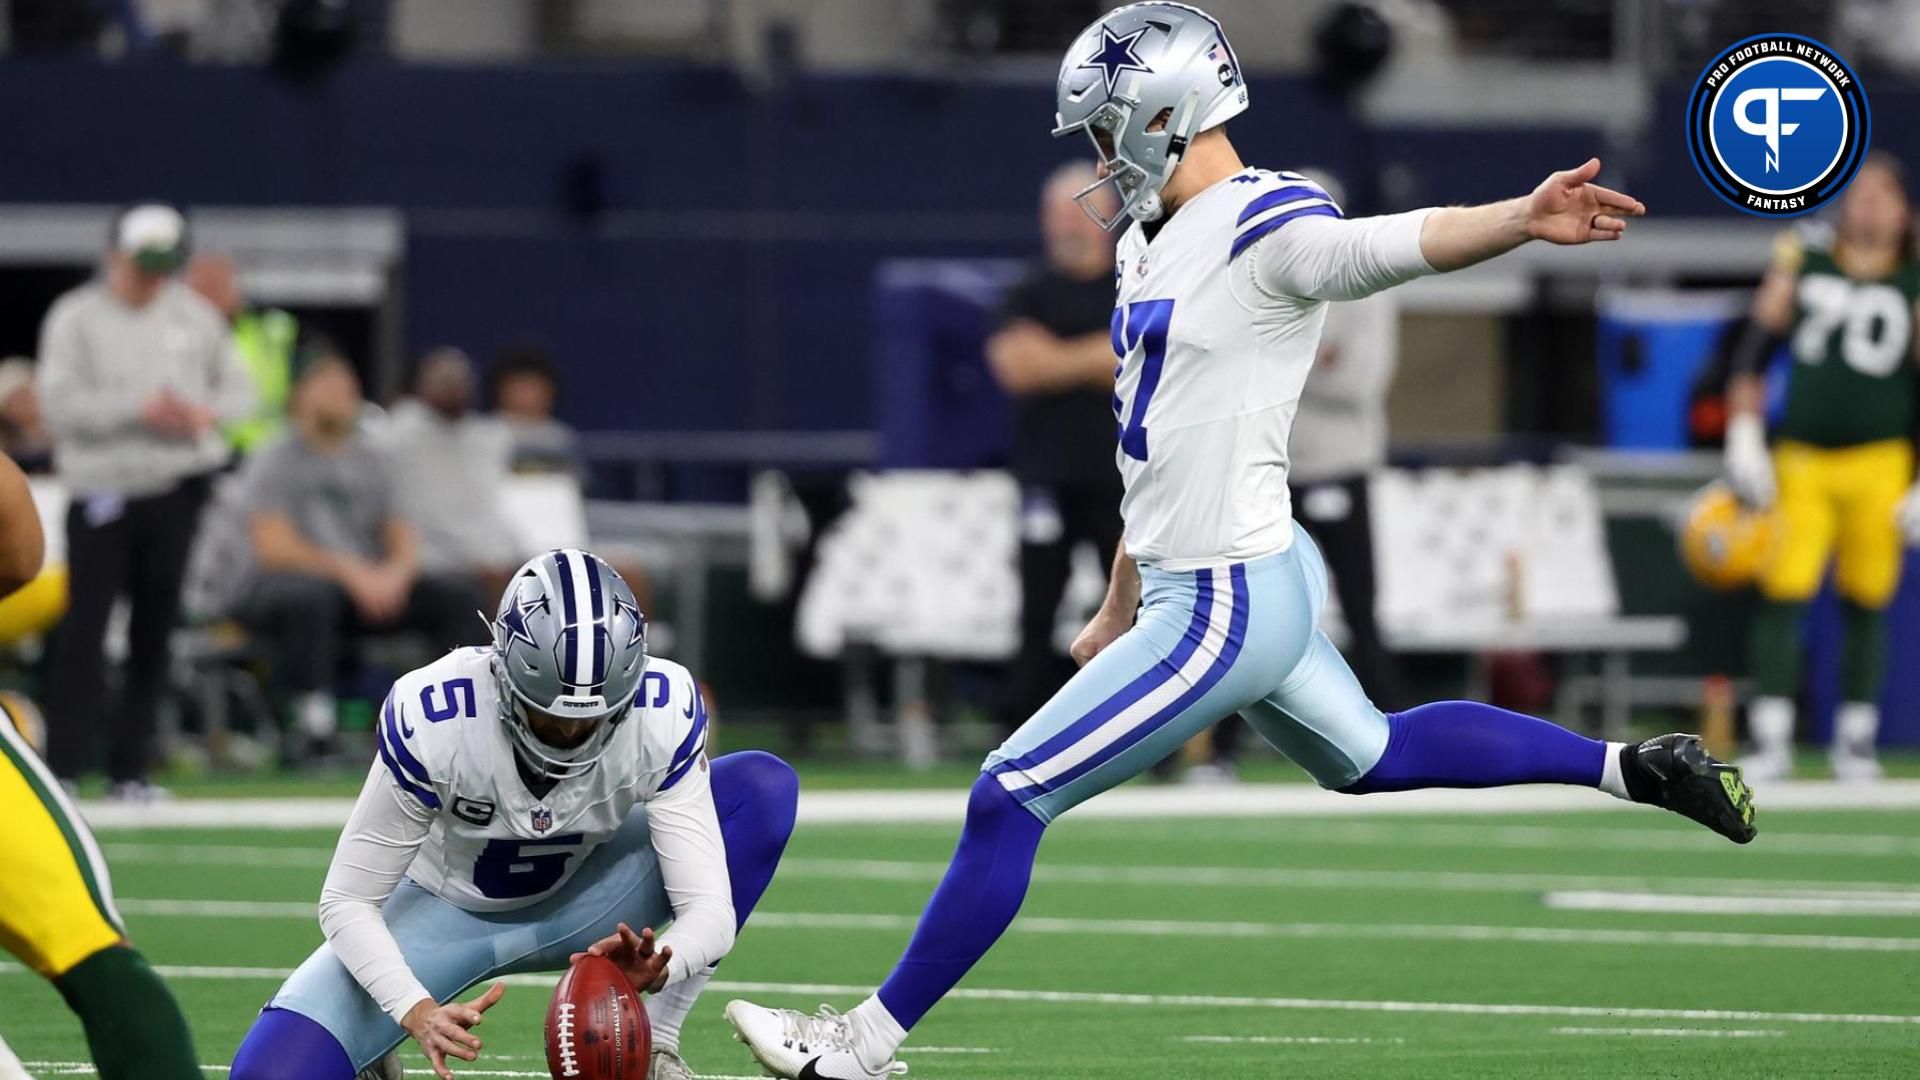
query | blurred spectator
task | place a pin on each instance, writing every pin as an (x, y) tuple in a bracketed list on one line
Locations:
[(526, 389), (1053, 354), (449, 463), (334, 555), (136, 374), (265, 338), (23, 428)]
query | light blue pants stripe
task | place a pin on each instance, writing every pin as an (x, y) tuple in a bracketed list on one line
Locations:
[(1207, 644), (451, 949)]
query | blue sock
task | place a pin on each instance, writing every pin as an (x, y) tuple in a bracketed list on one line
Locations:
[(285, 1045), (973, 906), (755, 795), (1465, 744)]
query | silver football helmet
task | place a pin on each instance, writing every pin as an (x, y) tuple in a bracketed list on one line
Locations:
[(569, 641), (1121, 73)]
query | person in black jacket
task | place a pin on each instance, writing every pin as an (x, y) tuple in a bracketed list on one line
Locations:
[(1052, 353)]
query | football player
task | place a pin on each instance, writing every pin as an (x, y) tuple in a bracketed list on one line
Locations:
[(1845, 298), (1214, 604), (532, 799), (56, 901)]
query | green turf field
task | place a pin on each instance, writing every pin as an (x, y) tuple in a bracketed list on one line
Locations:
[(1376, 947)]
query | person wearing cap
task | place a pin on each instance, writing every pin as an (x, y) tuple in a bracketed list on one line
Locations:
[(137, 373), (266, 339)]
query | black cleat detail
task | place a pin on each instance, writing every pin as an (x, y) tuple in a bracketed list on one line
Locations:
[(1676, 772)]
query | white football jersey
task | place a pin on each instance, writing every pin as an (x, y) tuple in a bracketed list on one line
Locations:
[(1211, 369), (492, 844)]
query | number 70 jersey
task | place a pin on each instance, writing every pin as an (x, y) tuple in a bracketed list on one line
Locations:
[(491, 844), (1211, 369)]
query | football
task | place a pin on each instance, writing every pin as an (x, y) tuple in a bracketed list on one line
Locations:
[(596, 1026)]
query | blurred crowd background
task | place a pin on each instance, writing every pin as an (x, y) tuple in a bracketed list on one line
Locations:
[(321, 315)]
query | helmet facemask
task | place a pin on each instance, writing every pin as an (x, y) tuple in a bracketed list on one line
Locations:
[(1135, 186)]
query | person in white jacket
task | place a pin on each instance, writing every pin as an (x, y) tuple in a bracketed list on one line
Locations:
[(532, 799)]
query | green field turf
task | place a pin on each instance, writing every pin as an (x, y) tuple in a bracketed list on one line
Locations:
[(1376, 947)]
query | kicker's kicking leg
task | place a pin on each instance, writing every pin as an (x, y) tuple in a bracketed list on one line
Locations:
[(1193, 657), (1322, 719)]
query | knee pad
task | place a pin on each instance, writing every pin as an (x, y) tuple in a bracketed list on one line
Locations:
[(762, 780), (285, 1045)]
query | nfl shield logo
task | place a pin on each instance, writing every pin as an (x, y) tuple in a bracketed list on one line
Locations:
[(542, 819)]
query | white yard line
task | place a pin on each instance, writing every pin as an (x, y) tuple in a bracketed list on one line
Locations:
[(1672, 1033), (1890, 905), (1547, 935), (1163, 1001), (1285, 1040), (1274, 877), (1183, 928), (266, 858), (1574, 839), (1451, 1008), (1133, 802), (223, 909), (1186, 877), (82, 1068)]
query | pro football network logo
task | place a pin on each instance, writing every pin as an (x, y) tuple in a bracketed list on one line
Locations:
[(1777, 125)]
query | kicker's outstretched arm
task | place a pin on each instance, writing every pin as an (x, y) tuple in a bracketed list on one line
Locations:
[(1328, 258)]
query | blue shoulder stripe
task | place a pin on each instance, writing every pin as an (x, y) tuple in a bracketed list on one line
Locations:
[(426, 796), (1249, 237), (690, 748), (684, 768), (391, 729), (1279, 197)]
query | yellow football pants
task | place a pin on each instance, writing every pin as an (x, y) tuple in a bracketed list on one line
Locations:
[(36, 608), (1838, 507), (56, 902)]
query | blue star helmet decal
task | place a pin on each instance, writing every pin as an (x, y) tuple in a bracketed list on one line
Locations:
[(639, 620), (514, 621), (1116, 55)]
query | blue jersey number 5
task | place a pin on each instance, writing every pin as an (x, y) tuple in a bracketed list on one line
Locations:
[(1143, 323), (459, 700)]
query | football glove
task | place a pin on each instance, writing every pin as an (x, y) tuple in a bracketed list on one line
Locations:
[(1749, 468), (1908, 515)]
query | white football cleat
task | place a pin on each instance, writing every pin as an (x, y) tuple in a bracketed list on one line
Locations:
[(669, 1065), (792, 1045)]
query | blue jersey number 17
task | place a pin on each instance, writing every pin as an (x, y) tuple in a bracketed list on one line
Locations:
[(1142, 323)]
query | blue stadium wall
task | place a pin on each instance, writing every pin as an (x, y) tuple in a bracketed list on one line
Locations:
[(667, 222)]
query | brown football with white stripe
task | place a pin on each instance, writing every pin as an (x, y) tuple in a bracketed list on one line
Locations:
[(596, 1027)]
